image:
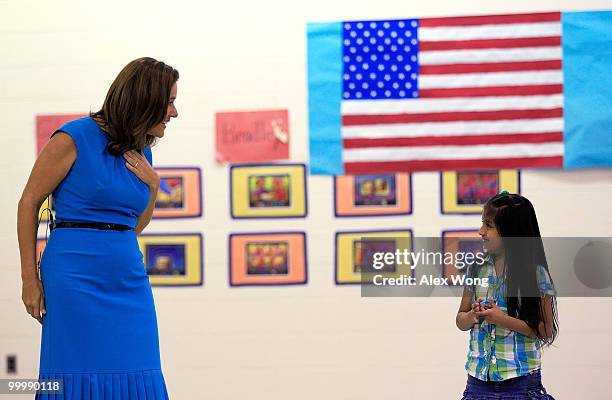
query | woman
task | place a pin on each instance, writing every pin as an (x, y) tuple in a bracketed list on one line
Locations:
[(92, 294)]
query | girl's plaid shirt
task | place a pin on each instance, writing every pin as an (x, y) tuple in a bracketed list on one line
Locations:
[(495, 352)]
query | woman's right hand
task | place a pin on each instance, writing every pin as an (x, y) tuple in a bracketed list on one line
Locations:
[(33, 297), (51, 167)]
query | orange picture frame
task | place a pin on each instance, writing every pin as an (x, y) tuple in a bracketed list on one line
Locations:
[(183, 199), (346, 196), (294, 262)]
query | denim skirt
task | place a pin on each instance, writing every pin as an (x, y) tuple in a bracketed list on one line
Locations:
[(526, 387)]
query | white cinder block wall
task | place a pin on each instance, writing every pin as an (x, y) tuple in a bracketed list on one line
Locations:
[(301, 342)]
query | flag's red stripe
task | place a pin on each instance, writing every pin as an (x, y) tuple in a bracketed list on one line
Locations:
[(528, 90), (490, 43), (352, 120), (452, 165), (489, 67), (460, 140), (491, 19)]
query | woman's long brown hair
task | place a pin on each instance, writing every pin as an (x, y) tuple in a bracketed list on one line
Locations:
[(136, 101)]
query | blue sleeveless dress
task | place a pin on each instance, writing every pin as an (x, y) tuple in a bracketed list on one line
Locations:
[(99, 334)]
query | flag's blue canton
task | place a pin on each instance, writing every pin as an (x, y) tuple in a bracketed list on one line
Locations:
[(380, 59)]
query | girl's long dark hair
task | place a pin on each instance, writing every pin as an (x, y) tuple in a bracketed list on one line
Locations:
[(516, 222)]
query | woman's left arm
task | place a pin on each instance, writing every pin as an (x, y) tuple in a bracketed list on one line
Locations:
[(145, 217), (140, 166)]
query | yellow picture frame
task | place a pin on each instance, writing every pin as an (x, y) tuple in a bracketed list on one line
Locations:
[(294, 198), (345, 268), (507, 179), (191, 255), (44, 215)]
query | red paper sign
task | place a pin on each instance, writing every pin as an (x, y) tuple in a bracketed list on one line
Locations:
[(252, 136), (47, 124)]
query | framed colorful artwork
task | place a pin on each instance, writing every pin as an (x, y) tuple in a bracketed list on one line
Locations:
[(179, 194), (268, 191), (465, 192), (372, 195), (459, 243), (41, 243), (45, 126), (355, 251), (252, 136), (277, 258), (46, 208), (173, 259)]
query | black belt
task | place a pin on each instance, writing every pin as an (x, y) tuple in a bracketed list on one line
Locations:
[(95, 225)]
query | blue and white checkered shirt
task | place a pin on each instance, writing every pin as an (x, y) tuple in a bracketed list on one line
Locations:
[(497, 353)]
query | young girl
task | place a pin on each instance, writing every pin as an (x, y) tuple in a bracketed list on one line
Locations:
[(512, 317)]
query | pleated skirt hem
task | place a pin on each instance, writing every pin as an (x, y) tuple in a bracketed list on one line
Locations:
[(140, 385)]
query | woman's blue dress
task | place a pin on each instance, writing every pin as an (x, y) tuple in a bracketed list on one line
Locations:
[(99, 334)]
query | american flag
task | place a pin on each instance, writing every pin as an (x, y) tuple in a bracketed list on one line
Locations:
[(452, 93)]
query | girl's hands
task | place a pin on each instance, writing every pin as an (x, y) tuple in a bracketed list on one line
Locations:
[(139, 165), (481, 304), (474, 310), (478, 307), (33, 298), (490, 311)]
